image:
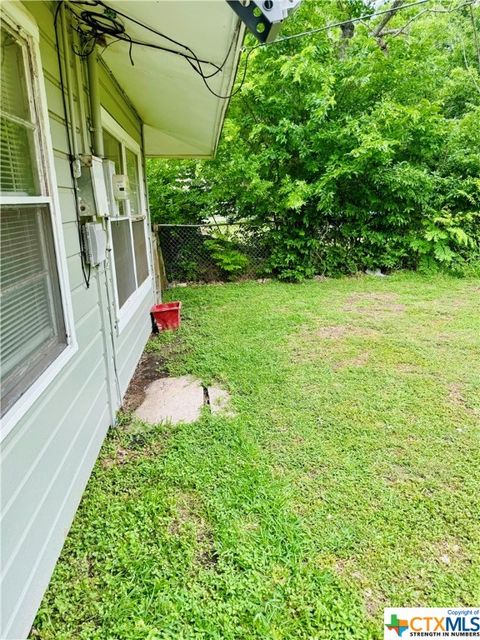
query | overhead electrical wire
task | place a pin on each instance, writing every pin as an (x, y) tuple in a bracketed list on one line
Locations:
[(106, 24), (333, 25), (194, 56), (99, 27), (327, 27), (369, 16), (86, 270)]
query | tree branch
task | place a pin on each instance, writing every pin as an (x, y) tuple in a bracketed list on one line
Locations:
[(378, 31)]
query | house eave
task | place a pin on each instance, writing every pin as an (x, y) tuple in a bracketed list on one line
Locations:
[(181, 118)]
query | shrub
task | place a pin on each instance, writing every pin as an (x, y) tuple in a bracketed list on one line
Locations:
[(227, 256)]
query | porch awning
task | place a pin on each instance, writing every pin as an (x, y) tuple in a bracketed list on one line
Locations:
[(181, 117)]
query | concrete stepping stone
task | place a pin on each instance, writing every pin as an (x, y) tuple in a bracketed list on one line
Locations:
[(180, 400)]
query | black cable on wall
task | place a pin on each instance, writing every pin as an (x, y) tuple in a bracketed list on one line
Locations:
[(86, 267)]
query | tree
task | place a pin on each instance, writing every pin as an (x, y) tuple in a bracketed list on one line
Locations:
[(354, 155)]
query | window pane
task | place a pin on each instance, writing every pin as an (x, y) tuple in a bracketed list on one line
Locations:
[(132, 173), (113, 151), (123, 257), (18, 171), (140, 250), (32, 329), (13, 87)]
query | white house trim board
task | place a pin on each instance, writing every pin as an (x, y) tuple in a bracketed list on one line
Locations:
[(18, 18), (35, 391), (119, 132), (6, 201), (132, 304), (125, 313)]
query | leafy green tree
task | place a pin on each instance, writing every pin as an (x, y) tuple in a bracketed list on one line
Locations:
[(357, 147)]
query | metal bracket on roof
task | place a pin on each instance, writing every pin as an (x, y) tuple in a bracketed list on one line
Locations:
[(264, 18)]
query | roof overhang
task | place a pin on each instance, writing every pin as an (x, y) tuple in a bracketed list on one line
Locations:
[(181, 117)]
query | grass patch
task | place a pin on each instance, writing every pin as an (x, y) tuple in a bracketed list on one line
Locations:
[(347, 480)]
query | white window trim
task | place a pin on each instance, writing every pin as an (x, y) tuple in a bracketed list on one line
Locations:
[(135, 300), (16, 16), (132, 304), (109, 123)]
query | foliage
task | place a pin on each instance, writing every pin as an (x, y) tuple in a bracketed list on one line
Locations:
[(225, 254), (346, 482), (177, 191), (357, 150)]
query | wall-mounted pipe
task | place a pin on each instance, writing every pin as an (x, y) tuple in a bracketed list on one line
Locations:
[(95, 109), (68, 78), (81, 104)]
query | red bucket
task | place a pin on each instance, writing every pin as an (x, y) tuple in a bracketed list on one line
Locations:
[(166, 315)]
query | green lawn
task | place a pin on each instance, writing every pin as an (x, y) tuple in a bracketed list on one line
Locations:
[(348, 480)]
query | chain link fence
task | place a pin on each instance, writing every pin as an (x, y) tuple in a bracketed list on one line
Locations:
[(212, 252)]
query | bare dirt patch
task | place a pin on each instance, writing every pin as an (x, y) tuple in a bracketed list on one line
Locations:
[(328, 342), (469, 297), (152, 366), (398, 474), (359, 361), (139, 450), (374, 304), (310, 341), (343, 331), (186, 513), (455, 393), (188, 517), (403, 367), (450, 552), (374, 600), (121, 457), (457, 397)]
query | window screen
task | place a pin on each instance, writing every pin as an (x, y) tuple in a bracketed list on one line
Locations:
[(32, 331), (123, 257), (140, 245)]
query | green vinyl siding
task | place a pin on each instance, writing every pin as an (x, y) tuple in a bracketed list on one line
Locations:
[(47, 457)]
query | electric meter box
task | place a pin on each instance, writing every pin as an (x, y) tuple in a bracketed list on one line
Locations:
[(120, 186), (92, 192), (95, 242)]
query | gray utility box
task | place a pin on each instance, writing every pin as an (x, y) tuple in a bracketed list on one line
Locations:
[(95, 243)]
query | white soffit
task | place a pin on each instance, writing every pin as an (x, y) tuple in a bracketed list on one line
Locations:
[(181, 117)]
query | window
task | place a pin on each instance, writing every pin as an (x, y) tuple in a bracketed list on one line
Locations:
[(131, 161), (140, 245), (113, 151), (33, 328), (123, 257), (17, 123), (128, 230)]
